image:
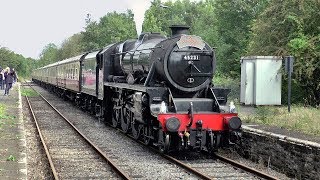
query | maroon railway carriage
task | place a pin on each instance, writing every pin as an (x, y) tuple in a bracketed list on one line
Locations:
[(158, 89)]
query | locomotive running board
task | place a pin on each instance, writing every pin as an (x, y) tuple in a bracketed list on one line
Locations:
[(140, 88), (136, 87)]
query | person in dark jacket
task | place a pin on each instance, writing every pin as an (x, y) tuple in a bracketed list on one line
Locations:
[(15, 77), (1, 79), (9, 77)]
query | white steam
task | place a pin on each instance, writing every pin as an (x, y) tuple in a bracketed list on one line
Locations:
[(139, 7)]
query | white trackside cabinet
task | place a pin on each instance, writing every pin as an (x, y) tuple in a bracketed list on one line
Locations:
[(261, 80)]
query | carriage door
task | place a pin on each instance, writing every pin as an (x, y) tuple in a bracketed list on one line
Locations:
[(249, 83)]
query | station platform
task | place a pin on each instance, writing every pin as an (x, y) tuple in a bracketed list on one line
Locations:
[(13, 158)]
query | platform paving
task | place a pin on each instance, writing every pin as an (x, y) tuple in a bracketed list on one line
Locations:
[(13, 163)]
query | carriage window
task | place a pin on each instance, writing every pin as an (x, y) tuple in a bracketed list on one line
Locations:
[(72, 70), (72, 73)]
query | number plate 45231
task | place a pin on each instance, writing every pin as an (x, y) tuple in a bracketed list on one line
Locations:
[(191, 57)]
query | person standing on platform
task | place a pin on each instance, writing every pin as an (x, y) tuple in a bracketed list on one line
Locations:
[(1, 79), (15, 77), (9, 77)]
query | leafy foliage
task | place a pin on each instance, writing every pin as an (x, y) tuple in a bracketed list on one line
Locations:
[(292, 28), (22, 65), (234, 21), (223, 24), (113, 27), (71, 47), (184, 12), (48, 55), (306, 120)]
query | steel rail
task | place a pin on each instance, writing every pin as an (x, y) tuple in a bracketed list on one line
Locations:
[(122, 174), (53, 169), (203, 176), (244, 167), (187, 167), (173, 160)]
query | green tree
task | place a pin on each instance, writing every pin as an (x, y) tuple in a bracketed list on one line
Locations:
[(48, 55), (204, 23), (234, 21), (156, 18), (292, 28), (223, 24), (159, 18), (10, 59), (150, 23), (111, 28), (71, 47)]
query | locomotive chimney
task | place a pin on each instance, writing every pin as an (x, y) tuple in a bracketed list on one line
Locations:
[(179, 29)]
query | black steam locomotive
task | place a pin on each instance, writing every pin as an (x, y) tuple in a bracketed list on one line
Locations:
[(157, 88)]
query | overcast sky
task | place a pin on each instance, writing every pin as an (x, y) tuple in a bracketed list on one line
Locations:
[(29, 25)]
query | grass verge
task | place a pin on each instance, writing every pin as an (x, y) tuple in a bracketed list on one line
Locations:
[(2, 114), (28, 92), (6, 119), (303, 119)]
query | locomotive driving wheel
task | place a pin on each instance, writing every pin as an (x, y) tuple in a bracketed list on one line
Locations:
[(126, 116), (164, 142)]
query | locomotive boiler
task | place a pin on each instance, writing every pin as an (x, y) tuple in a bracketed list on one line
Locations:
[(158, 89), (185, 63)]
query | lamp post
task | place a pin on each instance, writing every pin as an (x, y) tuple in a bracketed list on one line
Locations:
[(167, 7), (164, 6)]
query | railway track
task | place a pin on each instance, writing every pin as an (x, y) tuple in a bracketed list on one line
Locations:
[(69, 152), (132, 158), (218, 167), (214, 167), (139, 162)]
